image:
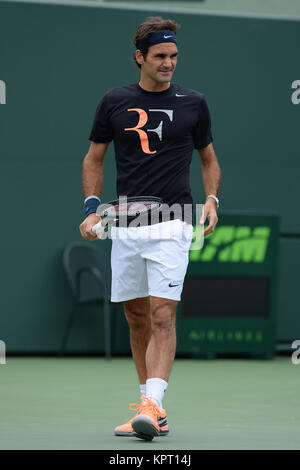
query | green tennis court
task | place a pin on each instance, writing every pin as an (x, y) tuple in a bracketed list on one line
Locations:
[(74, 403), (241, 296)]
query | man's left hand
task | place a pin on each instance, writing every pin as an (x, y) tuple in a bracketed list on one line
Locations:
[(209, 212)]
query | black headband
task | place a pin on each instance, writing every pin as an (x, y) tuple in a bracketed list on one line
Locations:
[(165, 35)]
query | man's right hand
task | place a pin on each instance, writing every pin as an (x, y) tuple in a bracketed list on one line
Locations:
[(86, 226)]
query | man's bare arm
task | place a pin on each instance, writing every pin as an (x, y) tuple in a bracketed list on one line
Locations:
[(92, 182), (211, 175), (92, 169), (211, 172)]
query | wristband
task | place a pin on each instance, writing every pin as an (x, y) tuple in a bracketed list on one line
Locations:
[(91, 204), (215, 198)]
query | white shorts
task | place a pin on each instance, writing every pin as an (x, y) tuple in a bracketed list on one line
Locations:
[(150, 260)]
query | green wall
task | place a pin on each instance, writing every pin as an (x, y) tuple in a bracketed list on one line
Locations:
[(56, 62)]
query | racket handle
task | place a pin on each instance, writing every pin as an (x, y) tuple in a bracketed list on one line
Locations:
[(97, 228)]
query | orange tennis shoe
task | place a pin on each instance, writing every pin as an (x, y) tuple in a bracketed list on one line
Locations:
[(127, 429), (150, 421)]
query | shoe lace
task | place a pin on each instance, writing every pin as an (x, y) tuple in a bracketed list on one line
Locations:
[(136, 407), (147, 406)]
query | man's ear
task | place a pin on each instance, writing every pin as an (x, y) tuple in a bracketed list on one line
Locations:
[(139, 57)]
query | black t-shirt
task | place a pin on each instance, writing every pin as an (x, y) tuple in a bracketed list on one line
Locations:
[(154, 135)]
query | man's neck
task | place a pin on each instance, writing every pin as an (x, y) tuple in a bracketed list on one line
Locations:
[(150, 85)]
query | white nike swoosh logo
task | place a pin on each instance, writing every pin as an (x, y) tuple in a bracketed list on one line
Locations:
[(179, 95), (166, 37)]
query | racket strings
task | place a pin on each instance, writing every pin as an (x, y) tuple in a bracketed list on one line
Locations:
[(131, 209)]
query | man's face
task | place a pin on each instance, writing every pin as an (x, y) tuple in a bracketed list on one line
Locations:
[(160, 62)]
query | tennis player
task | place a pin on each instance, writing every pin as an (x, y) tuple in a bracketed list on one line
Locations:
[(155, 126)]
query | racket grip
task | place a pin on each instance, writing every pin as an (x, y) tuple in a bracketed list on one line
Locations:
[(97, 228)]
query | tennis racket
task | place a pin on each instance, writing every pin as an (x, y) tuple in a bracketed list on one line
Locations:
[(126, 208)]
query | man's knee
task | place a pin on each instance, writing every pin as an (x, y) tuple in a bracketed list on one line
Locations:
[(137, 313), (163, 315)]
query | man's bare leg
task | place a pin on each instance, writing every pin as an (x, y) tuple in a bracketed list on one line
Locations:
[(159, 360), (162, 346), (137, 312)]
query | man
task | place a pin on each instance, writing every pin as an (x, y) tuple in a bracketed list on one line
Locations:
[(155, 125)]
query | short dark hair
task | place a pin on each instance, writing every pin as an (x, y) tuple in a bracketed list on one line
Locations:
[(150, 25)]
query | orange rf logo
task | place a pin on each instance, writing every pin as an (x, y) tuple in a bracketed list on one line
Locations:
[(143, 118)]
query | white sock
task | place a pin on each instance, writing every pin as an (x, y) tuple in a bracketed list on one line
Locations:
[(155, 390), (143, 389)]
